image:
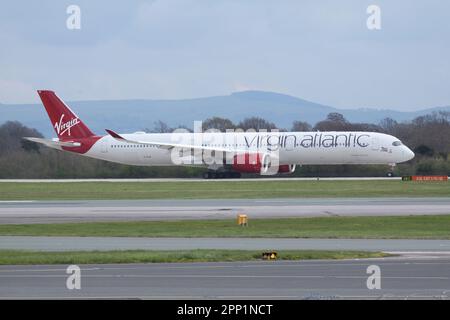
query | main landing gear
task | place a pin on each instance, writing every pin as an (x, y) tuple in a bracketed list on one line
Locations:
[(221, 175)]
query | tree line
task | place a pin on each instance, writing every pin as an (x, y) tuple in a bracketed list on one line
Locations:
[(428, 136)]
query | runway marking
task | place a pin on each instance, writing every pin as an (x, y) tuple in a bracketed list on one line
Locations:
[(228, 276), (250, 297), (276, 266), (158, 209), (203, 297), (202, 180), (288, 264), (46, 270)]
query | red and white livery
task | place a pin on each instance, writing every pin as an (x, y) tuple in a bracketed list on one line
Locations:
[(225, 154)]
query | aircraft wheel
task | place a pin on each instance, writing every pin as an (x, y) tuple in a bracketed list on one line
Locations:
[(205, 175), (390, 174)]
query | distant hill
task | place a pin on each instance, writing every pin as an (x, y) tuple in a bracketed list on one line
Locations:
[(135, 115)]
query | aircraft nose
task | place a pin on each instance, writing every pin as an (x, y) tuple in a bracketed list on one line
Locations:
[(408, 153)]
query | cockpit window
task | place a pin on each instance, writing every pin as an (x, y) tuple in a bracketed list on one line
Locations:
[(396, 143)]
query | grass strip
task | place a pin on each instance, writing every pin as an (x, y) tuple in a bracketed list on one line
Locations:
[(220, 190), (18, 257), (385, 227)]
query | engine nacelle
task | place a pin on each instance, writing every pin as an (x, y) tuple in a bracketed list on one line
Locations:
[(259, 163), (248, 163), (286, 168)]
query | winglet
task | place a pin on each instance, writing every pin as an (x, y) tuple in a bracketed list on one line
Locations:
[(114, 135)]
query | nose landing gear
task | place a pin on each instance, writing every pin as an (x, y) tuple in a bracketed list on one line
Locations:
[(390, 173)]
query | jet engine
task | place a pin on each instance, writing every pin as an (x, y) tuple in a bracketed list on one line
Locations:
[(250, 162), (286, 168)]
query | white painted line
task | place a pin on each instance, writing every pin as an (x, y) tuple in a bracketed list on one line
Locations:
[(190, 276), (250, 297), (198, 179), (420, 252)]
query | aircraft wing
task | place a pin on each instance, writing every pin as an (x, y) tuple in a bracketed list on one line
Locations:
[(170, 145), (54, 143)]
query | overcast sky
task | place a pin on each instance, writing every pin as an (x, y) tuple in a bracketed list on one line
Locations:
[(171, 49)]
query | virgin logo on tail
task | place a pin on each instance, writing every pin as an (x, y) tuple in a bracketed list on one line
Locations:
[(63, 127)]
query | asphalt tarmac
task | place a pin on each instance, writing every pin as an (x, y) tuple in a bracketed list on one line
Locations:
[(128, 243), (140, 210), (400, 278)]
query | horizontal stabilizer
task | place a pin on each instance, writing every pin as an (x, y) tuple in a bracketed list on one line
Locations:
[(54, 143)]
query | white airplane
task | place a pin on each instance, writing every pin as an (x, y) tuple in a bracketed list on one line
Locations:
[(226, 155)]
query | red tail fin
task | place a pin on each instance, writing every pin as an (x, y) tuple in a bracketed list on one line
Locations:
[(67, 125)]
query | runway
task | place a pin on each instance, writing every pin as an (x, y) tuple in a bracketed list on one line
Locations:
[(128, 243), (142, 210), (199, 179), (422, 272), (401, 278)]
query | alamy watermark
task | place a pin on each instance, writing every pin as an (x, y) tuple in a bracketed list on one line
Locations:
[(73, 21), (73, 281), (374, 20), (374, 280)]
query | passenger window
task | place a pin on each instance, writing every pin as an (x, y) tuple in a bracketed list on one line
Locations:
[(396, 143)]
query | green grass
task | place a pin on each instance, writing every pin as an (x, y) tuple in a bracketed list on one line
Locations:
[(393, 227), (16, 257), (220, 190)]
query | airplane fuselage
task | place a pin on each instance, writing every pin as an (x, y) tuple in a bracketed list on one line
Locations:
[(301, 148), (235, 151)]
